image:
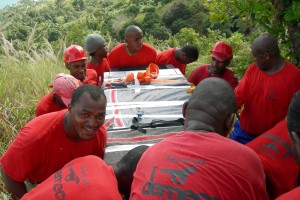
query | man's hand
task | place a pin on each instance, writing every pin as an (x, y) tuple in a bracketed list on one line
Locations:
[(17, 189)]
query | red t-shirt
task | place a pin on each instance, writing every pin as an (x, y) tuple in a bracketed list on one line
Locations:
[(191, 165), (292, 195), (91, 77), (47, 105), (83, 178), (42, 147), (265, 97), (168, 57), (201, 72), (100, 69), (118, 56), (275, 152)]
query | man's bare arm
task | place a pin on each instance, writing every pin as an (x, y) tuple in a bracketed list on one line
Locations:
[(17, 189)]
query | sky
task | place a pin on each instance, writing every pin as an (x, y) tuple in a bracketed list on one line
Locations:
[(4, 3)]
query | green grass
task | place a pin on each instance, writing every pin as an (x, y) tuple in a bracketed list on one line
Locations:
[(25, 76)]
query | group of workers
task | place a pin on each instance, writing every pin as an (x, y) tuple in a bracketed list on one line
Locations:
[(62, 148)]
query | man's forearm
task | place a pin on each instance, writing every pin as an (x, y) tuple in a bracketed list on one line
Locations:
[(16, 189)]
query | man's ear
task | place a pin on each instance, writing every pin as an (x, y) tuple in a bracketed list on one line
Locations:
[(227, 62), (69, 107), (229, 121), (295, 136), (67, 66), (184, 106)]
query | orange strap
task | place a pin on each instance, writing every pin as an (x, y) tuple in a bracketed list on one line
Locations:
[(148, 76)]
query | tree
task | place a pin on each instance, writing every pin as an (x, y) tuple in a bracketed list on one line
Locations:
[(279, 17)]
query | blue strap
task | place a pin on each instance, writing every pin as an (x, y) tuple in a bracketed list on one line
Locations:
[(239, 135)]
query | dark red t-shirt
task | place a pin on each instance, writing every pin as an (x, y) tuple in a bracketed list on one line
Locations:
[(118, 56), (275, 151), (168, 57), (47, 105), (100, 69), (196, 165), (201, 72), (83, 178), (265, 97)]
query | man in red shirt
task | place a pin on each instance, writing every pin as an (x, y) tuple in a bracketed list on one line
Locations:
[(48, 142), (96, 47), (221, 56), (178, 57), (75, 61), (90, 178), (275, 151), (293, 124), (133, 52), (60, 97), (265, 91), (200, 162)]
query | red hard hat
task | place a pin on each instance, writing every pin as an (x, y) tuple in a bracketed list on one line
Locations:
[(222, 51), (74, 53)]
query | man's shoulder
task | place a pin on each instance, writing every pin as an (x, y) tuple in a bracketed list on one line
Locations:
[(148, 47), (201, 67), (118, 47), (291, 66), (91, 72), (41, 130)]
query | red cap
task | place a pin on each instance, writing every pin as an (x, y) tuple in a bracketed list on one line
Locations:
[(74, 53), (64, 86), (222, 51)]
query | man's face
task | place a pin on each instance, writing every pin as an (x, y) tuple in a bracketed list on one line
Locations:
[(87, 116), (77, 69), (102, 52), (218, 67), (295, 139), (134, 41), (184, 59), (259, 59)]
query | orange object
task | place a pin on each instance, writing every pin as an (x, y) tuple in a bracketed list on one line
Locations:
[(129, 77), (153, 70), (150, 73)]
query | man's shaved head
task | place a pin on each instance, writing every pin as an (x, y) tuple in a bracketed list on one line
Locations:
[(132, 29), (211, 107), (215, 92), (265, 43)]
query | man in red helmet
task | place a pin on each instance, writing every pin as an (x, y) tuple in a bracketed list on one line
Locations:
[(221, 56), (48, 142), (75, 61), (265, 91)]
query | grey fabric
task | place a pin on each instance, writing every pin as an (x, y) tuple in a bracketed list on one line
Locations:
[(94, 42), (157, 101)]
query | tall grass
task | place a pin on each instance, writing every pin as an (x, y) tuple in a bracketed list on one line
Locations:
[(25, 76)]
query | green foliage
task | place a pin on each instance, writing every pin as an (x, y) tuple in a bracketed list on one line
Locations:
[(177, 17), (292, 15), (280, 18)]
